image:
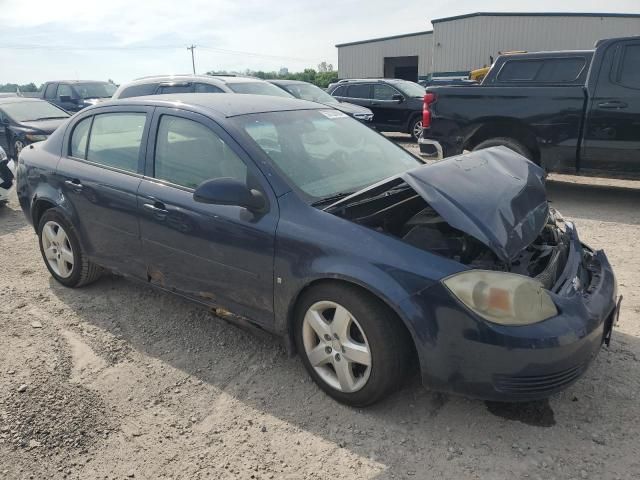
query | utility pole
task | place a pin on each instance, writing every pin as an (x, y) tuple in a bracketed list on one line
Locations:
[(193, 60)]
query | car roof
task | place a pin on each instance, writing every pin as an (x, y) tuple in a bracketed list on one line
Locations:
[(288, 82), (192, 78), (76, 81), (7, 100), (225, 105)]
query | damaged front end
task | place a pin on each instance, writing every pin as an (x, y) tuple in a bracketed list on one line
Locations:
[(486, 210)]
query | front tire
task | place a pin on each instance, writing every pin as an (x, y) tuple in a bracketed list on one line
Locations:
[(62, 253), (351, 343)]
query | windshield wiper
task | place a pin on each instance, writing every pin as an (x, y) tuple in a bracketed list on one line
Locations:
[(43, 118), (331, 198)]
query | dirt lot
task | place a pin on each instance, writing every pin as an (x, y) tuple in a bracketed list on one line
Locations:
[(117, 381)]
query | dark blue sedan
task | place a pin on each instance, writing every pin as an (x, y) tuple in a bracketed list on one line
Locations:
[(310, 225)]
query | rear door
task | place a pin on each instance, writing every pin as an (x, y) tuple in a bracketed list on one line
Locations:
[(612, 132), (99, 175), (358, 93), (218, 254)]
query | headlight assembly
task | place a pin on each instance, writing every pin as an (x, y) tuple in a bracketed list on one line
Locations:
[(503, 298), (35, 138)]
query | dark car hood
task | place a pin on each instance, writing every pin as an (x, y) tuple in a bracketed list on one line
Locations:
[(494, 195), (349, 108), (45, 126)]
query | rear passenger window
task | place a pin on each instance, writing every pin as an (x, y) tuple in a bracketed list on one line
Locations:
[(115, 140), (359, 91), (79, 138), (629, 71), (139, 90), (175, 89), (207, 88), (188, 153)]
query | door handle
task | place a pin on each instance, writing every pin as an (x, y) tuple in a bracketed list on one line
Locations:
[(158, 209), (74, 184), (612, 104)]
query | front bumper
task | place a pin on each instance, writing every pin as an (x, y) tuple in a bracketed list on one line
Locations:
[(461, 353)]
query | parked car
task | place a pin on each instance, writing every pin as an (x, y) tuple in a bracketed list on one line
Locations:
[(74, 95), (165, 84), (568, 111), (312, 226), (7, 171), (313, 93), (396, 104), (27, 120)]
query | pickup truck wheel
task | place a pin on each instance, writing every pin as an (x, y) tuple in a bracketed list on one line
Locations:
[(505, 142), (62, 253), (350, 343)]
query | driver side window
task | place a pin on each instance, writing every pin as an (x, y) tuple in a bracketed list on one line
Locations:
[(188, 153)]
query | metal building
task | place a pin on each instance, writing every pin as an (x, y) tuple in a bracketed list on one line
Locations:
[(459, 44)]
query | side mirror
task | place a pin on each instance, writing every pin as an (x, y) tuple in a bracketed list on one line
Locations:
[(397, 98), (229, 191), (65, 98)]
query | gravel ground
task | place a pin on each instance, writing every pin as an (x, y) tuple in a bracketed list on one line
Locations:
[(118, 381)]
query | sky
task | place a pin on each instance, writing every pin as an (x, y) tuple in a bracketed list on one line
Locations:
[(121, 40)]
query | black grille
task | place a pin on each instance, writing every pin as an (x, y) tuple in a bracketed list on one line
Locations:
[(534, 384)]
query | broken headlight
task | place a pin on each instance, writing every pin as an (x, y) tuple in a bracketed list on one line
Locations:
[(503, 298)]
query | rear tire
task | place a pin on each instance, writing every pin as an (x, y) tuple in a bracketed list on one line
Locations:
[(510, 143), (62, 253), (329, 345), (415, 128)]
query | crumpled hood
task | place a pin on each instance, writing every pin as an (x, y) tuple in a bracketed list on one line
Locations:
[(46, 127), (495, 195)]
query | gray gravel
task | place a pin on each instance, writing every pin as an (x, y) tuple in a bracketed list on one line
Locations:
[(118, 381)]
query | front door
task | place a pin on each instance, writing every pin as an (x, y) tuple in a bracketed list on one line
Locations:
[(612, 132), (220, 254), (99, 175), (387, 110)]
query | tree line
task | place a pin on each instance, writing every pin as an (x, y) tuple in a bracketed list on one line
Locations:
[(322, 77)]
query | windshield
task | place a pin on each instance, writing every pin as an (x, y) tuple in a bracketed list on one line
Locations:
[(95, 90), (258, 88), (34, 110), (410, 89), (306, 91), (324, 153)]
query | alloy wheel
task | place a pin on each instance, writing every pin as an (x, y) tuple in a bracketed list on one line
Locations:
[(417, 130), (336, 346), (57, 249)]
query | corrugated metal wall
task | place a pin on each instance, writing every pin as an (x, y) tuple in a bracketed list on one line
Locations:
[(467, 43), (367, 59)]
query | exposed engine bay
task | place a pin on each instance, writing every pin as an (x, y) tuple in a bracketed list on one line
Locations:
[(399, 211)]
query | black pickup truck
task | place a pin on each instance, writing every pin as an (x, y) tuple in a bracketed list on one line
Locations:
[(568, 111)]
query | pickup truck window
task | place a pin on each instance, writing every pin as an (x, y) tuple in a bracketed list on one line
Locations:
[(629, 71), (550, 70), (64, 90), (50, 92)]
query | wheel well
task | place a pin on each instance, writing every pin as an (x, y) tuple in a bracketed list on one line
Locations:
[(315, 283), (38, 210), (510, 129), (411, 119)]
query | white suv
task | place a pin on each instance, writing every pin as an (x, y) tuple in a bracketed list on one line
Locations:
[(162, 84)]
